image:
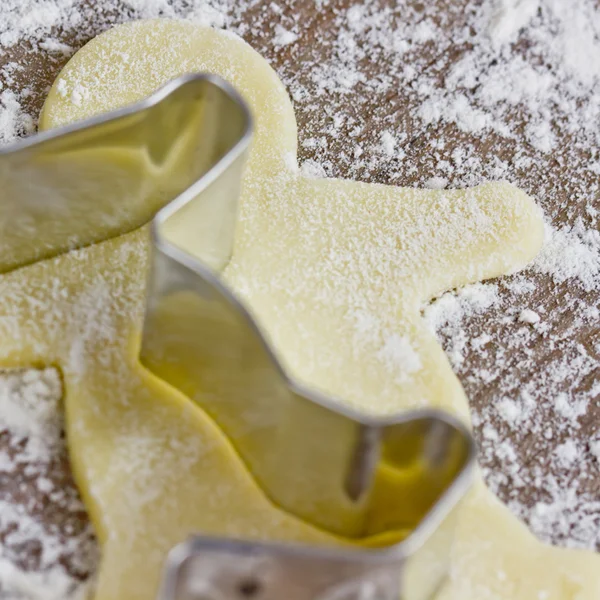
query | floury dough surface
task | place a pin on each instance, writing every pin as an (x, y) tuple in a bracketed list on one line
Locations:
[(335, 271)]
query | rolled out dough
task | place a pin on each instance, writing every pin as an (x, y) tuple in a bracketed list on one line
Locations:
[(334, 270)]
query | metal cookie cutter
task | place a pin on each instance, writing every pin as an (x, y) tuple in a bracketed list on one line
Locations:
[(386, 488)]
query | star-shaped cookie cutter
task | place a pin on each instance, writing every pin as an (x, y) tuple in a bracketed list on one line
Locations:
[(388, 488)]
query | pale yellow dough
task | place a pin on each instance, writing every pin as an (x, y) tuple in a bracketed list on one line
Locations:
[(335, 271)]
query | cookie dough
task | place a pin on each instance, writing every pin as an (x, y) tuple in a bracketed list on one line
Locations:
[(335, 271)]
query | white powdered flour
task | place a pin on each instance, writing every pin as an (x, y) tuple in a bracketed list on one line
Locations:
[(431, 94)]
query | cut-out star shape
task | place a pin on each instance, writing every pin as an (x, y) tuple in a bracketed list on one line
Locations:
[(335, 271)]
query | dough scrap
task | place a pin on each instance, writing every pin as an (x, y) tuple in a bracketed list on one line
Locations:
[(334, 270)]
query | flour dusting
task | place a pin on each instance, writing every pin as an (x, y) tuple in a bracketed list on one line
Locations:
[(436, 95), (38, 560)]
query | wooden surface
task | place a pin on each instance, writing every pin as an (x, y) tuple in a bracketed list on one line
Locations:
[(515, 354)]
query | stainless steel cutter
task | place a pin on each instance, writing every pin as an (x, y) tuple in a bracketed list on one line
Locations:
[(386, 489)]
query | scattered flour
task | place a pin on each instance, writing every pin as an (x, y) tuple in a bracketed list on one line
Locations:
[(571, 253), (376, 95), (14, 122), (29, 410), (436, 183), (567, 453), (399, 356), (508, 17), (447, 313), (529, 316), (22, 19), (283, 37), (31, 423)]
